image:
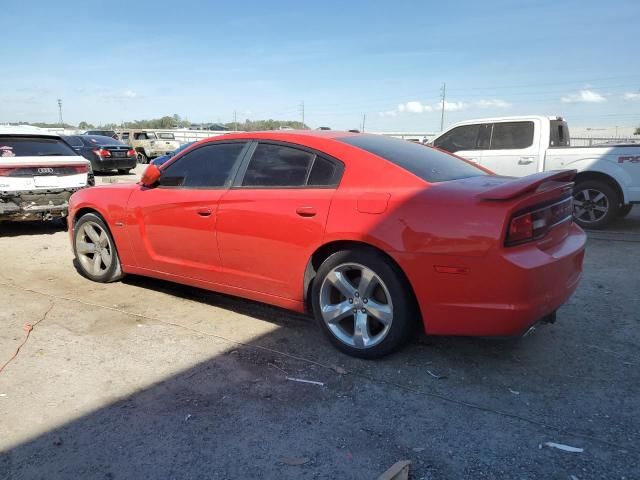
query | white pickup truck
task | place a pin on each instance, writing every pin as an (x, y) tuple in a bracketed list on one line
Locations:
[(608, 180), (38, 174)]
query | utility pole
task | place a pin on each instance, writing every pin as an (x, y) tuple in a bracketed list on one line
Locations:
[(364, 117), (443, 91), (60, 112), (302, 111), (235, 120)]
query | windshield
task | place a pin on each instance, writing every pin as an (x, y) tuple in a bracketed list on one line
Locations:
[(427, 163), (33, 146)]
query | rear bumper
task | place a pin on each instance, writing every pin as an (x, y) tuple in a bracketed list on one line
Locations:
[(501, 294), (115, 164), (35, 204)]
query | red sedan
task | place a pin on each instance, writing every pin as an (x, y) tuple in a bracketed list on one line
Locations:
[(372, 234)]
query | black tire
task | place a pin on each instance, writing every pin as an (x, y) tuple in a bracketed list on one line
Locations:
[(141, 157), (587, 214), (624, 210), (124, 171), (403, 310), (113, 271)]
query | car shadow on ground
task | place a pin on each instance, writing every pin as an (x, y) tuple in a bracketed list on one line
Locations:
[(17, 229)]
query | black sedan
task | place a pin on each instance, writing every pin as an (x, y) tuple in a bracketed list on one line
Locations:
[(104, 153)]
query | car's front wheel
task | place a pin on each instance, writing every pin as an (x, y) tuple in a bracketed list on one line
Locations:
[(362, 303), (95, 251)]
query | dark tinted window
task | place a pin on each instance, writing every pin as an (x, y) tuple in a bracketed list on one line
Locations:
[(33, 146), (511, 135), (74, 141), (425, 162), (101, 140), (559, 134), (207, 166), (125, 136), (324, 173), (277, 166), (459, 138)]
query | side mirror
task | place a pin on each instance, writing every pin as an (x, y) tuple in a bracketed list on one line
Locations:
[(151, 176)]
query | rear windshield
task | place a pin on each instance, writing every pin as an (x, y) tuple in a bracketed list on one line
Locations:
[(101, 140), (166, 136), (33, 146), (559, 135), (425, 162)]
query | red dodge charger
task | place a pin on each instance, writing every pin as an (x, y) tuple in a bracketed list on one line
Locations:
[(372, 234)]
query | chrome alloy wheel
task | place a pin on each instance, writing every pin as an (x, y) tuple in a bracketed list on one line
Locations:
[(590, 205), (356, 305), (93, 248)]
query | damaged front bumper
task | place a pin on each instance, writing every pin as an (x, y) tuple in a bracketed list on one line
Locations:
[(35, 204)]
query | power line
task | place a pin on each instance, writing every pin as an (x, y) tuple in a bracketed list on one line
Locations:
[(444, 99)]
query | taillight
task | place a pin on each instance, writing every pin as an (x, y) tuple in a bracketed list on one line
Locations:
[(131, 153), (102, 152), (81, 168), (520, 229), (536, 223), (6, 171)]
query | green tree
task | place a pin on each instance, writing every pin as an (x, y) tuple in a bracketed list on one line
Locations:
[(85, 126)]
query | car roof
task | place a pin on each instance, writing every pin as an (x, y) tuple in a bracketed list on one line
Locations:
[(287, 135), (26, 130)]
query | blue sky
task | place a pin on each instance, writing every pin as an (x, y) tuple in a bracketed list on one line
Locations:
[(116, 61)]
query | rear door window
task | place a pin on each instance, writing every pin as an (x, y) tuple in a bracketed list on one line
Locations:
[(460, 138), (512, 135), (278, 166)]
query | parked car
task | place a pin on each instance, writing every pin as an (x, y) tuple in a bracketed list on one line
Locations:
[(150, 144), (374, 235), (38, 174), (103, 133), (164, 158), (608, 180), (104, 153)]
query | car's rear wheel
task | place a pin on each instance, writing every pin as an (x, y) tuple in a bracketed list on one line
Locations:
[(95, 251), (142, 158), (595, 204), (362, 303)]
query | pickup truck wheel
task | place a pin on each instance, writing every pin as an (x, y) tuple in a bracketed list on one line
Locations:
[(624, 210), (595, 204), (142, 158)]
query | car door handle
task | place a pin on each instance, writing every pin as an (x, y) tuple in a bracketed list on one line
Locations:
[(204, 212), (525, 160), (306, 211)]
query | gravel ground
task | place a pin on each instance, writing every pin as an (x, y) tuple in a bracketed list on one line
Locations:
[(144, 378)]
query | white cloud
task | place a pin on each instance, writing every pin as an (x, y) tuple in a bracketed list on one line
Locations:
[(415, 106), (632, 96), (584, 96), (492, 103), (129, 94)]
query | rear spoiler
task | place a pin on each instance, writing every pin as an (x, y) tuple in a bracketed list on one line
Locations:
[(528, 184)]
